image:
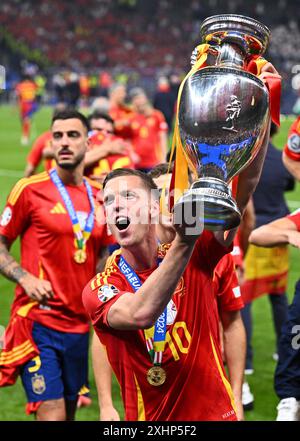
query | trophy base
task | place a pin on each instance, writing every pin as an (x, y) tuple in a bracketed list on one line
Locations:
[(210, 200)]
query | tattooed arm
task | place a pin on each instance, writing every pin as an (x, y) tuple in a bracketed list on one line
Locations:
[(37, 289)]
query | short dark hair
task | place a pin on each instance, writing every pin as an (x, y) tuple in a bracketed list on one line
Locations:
[(163, 169), (160, 169), (69, 114), (100, 115), (147, 180), (136, 91)]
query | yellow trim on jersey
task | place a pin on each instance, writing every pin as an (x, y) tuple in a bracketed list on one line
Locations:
[(140, 402), (224, 379), (110, 267), (16, 353), (41, 270), (23, 311), (22, 184)]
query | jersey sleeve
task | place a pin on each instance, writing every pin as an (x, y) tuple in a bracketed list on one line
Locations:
[(16, 217), (99, 295), (237, 252), (36, 153), (295, 217), (292, 147), (209, 250), (228, 291)]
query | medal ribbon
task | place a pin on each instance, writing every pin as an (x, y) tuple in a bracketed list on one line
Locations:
[(156, 335), (81, 236)]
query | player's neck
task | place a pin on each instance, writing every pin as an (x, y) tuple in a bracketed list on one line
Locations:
[(72, 176), (142, 256)]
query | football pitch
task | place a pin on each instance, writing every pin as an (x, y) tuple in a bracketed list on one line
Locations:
[(12, 399)]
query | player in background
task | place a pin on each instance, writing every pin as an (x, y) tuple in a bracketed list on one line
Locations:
[(291, 152), (149, 131), (285, 231), (26, 92), (62, 236)]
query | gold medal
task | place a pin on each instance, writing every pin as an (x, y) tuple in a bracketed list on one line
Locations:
[(80, 256), (156, 376)]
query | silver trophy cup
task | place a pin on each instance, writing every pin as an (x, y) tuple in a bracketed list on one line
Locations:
[(223, 115)]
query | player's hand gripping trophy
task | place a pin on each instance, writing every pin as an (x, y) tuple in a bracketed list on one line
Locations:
[(223, 116)]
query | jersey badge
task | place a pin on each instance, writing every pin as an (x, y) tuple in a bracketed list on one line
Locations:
[(107, 292), (294, 143), (6, 217)]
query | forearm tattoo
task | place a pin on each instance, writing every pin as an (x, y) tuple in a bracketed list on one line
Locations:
[(8, 266)]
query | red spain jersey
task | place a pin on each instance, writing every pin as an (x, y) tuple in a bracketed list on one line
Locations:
[(146, 138), (110, 162), (36, 153), (122, 116), (295, 217), (36, 212), (26, 90), (227, 286), (292, 147), (196, 387)]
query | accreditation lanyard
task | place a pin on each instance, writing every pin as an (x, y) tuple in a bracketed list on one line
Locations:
[(81, 236), (156, 335)]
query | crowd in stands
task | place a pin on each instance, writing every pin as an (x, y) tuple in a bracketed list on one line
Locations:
[(139, 37), (143, 35)]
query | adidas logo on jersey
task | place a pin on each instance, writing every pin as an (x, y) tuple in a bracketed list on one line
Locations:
[(58, 209)]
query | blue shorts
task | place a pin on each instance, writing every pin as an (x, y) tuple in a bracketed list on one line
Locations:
[(61, 368)]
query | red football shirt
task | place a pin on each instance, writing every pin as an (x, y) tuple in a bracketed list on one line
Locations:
[(292, 147), (227, 286), (26, 90), (146, 138), (295, 217), (122, 116), (36, 212), (196, 387), (36, 153), (110, 162)]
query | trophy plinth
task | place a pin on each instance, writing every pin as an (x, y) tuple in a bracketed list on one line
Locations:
[(220, 211), (223, 115)]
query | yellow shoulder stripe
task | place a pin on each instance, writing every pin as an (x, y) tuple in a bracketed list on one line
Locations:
[(19, 187)]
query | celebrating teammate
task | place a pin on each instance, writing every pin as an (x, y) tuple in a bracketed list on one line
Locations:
[(55, 214)]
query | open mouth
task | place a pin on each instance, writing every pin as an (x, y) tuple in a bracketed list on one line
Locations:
[(122, 222)]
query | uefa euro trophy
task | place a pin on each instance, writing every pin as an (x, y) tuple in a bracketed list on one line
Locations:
[(223, 116)]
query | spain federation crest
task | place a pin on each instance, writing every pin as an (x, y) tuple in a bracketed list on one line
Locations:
[(107, 292), (38, 384)]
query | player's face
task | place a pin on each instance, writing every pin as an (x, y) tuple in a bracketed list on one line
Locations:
[(120, 94), (69, 142), (140, 102), (130, 210), (102, 125)]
